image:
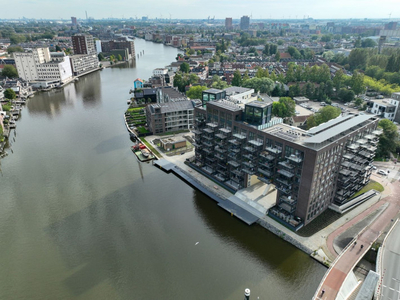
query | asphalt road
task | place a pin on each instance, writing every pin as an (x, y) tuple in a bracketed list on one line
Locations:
[(390, 289)]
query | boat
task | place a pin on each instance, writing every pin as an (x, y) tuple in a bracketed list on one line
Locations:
[(145, 152)]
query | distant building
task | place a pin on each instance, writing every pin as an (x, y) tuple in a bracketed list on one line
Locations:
[(83, 44), (172, 143), (244, 22), (391, 26), (228, 24), (74, 21), (82, 64), (145, 18), (98, 46), (385, 108), (109, 46)]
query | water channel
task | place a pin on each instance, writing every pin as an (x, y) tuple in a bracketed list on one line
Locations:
[(81, 219)]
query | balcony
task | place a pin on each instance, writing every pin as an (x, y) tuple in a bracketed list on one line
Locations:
[(285, 182), (294, 159), (237, 173), (265, 172), (208, 144), (208, 137), (239, 136), (234, 142), (283, 189), (208, 130), (273, 150), (249, 171), (225, 130), (233, 163), (219, 156), (248, 164), (286, 165), (288, 200), (212, 125), (221, 136), (286, 173), (256, 143), (267, 156), (250, 149), (248, 156), (220, 150), (195, 131)]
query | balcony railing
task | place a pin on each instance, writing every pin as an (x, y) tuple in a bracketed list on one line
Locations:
[(286, 173)]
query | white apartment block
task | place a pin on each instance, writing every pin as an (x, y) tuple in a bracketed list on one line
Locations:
[(160, 71), (38, 64), (83, 63), (385, 108)]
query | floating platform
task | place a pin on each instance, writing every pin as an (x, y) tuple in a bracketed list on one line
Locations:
[(141, 157)]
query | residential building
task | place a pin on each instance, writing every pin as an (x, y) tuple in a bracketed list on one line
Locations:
[(82, 64), (384, 108), (74, 22), (38, 64), (83, 44), (170, 116), (391, 26), (119, 45), (228, 24), (310, 170), (138, 83), (160, 71), (244, 22), (212, 95)]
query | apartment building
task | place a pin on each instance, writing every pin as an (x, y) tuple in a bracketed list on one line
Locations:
[(84, 63), (170, 116), (39, 64), (109, 46), (384, 108), (311, 169), (83, 44)]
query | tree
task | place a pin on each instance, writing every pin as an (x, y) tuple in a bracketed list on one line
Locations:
[(346, 95), (58, 48), (294, 52), (328, 55), (237, 78), (358, 59), (195, 92), (9, 71), (119, 57), (13, 49), (357, 44), (338, 80), (284, 108), (294, 90), (326, 38), (388, 140), (290, 73), (358, 102), (266, 50), (277, 56), (184, 67), (323, 115), (367, 43), (10, 94), (180, 55), (391, 64), (308, 90), (262, 85), (100, 56), (357, 83)]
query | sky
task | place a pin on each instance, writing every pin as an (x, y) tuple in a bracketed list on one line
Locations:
[(201, 9)]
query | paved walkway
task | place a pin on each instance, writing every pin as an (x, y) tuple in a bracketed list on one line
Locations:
[(348, 259)]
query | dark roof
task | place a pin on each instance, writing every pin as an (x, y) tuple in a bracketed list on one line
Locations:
[(173, 106)]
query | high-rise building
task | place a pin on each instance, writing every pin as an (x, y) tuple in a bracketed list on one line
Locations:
[(228, 23), (391, 26), (74, 21), (83, 44), (244, 22), (238, 147)]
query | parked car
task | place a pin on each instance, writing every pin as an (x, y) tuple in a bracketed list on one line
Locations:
[(382, 172), (373, 167)]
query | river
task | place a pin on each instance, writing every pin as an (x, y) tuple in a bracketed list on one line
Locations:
[(80, 218)]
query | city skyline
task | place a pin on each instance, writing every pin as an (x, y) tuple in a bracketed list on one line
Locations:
[(195, 9)]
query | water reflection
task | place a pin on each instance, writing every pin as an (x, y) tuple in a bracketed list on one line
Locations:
[(89, 89)]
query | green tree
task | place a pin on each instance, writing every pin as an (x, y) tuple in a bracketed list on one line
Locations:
[(328, 55), (368, 43), (184, 67), (388, 140), (284, 108), (10, 94), (338, 80), (326, 38), (195, 92), (346, 95), (392, 63), (266, 50), (100, 56), (17, 38), (358, 59), (13, 49), (58, 48), (237, 78), (357, 83), (119, 57), (294, 90), (294, 52), (290, 77), (308, 90), (9, 71), (357, 44), (262, 85), (358, 101), (277, 56), (323, 115)]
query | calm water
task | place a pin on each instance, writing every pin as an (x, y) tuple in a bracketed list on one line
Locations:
[(81, 219)]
